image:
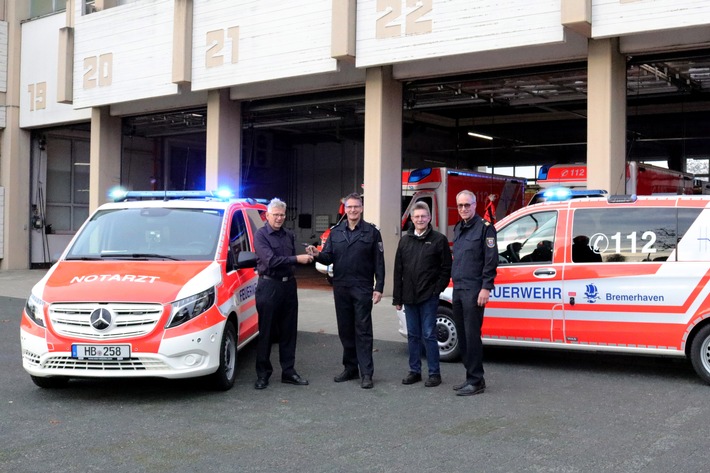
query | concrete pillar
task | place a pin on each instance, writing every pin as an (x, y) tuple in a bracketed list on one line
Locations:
[(383, 160), (224, 142), (14, 156), (606, 120), (104, 156)]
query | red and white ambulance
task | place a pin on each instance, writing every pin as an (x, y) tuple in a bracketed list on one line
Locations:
[(620, 274), (162, 287)]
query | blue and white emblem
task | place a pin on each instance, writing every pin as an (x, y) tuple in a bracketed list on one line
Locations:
[(591, 293)]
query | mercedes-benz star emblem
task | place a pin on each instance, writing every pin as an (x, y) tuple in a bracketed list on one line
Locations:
[(100, 319)]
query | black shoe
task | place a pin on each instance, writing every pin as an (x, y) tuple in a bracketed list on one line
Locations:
[(412, 378), (366, 382), (434, 380), (294, 379), (458, 387), (346, 375), (471, 389), (261, 383)]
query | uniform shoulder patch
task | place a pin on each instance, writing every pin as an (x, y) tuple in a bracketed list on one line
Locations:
[(485, 222)]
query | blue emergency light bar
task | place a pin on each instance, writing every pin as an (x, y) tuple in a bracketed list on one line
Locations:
[(120, 195), (562, 193), (419, 174)]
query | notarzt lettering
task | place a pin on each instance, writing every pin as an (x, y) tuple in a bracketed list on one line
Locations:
[(114, 277)]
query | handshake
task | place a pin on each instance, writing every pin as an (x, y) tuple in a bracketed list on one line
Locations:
[(311, 250), (311, 253)]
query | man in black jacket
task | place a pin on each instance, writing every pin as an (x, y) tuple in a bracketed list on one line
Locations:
[(422, 268), (473, 271), (355, 249)]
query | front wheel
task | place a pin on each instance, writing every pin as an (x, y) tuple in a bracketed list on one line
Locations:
[(223, 378), (700, 353), (447, 334)]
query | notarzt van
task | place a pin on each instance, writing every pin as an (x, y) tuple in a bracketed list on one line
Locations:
[(620, 274), (148, 288)]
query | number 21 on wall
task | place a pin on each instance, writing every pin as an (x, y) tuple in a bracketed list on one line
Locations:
[(217, 41)]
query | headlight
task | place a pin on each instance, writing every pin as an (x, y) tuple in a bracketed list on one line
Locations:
[(34, 308), (190, 307)]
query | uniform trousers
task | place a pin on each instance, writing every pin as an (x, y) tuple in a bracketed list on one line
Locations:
[(277, 305), (353, 310), (466, 308)]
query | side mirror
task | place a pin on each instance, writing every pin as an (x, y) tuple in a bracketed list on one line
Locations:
[(246, 259)]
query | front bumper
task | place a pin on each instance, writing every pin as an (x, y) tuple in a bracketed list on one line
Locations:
[(186, 356)]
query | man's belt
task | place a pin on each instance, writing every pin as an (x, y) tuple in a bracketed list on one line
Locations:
[(270, 278)]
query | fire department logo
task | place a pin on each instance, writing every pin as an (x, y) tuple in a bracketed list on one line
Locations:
[(591, 293), (101, 319)]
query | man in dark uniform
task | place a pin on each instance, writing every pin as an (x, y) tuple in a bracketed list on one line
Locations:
[(422, 269), (473, 271), (276, 296), (355, 249)]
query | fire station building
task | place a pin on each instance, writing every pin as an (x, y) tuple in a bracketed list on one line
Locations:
[(310, 100)]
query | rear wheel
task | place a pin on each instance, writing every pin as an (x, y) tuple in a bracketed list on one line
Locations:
[(700, 353), (223, 378), (447, 334), (53, 382)]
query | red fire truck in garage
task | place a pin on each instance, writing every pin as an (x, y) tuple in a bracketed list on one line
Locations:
[(438, 188), (641, 178)]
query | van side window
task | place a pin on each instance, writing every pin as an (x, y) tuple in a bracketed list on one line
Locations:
[(238, 236), (529, 239), (625, 234)]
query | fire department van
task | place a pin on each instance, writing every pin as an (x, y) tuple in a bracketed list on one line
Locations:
[(620, 274), (162, 287)]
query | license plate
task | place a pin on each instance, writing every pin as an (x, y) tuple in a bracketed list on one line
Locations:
[(101, 352)]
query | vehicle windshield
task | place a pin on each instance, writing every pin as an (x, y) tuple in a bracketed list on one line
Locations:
[(149, 233)]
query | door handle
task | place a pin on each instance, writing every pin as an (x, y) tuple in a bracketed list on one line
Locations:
[(545, 272)]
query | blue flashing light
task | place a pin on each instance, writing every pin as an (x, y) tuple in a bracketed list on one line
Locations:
[(557, 193), (117, 194), (419, 174), (224, 193)]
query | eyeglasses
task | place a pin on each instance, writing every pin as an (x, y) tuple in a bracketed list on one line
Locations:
[(278, 215), (464, 206), (351, 207)]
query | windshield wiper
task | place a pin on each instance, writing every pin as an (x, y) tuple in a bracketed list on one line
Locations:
[(138, 256), (82, 258)]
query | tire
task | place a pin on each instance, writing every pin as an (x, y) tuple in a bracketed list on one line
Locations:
[(53, 382), (223, 378), (700, 353), (447, 334)]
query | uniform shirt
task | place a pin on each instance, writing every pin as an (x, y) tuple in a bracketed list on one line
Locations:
[(357, 255), (276, 252), (422, 267), (475, 254)]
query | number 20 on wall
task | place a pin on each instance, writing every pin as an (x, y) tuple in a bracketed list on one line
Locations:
[(98, 71)]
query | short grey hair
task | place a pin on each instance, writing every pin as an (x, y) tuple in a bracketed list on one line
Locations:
[(468, 193), (276, 203), (353, 196), (420, 205)]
